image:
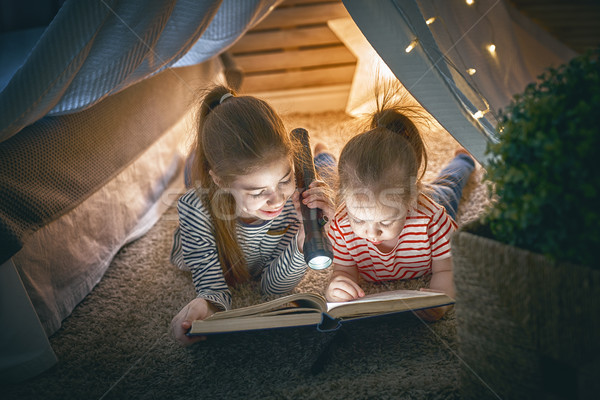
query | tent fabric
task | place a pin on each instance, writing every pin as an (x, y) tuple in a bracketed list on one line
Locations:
[(95, 48), (523, 50), (76, 154), (435, 71)]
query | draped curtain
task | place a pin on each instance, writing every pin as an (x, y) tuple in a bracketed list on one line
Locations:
[(94, 48)]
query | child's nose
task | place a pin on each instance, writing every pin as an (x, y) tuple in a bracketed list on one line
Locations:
[(276, 198), (373, 232)]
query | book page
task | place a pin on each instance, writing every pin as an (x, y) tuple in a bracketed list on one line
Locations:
[(253, 323), (286, 304), (391, 301), (391, 295)]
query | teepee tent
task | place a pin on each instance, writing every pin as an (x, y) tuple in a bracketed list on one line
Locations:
[(441, 51), (95, 104)]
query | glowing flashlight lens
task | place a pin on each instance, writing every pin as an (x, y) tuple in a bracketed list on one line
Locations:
[(320, 262)]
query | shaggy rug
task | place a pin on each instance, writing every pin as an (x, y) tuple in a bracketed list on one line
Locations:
[(116, 344)]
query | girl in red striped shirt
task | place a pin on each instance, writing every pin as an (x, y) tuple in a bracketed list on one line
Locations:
[(390, 225)]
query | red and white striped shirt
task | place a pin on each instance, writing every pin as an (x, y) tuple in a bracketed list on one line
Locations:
[(425, 237)]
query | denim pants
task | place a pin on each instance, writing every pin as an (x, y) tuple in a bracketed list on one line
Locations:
[(447, 188)]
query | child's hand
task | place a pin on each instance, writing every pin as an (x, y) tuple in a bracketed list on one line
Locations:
[(196, 309), (342, 288), (433, 314), (313, 197), (317, 196)]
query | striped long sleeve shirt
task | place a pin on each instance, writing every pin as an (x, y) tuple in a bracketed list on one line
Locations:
[(270, 250), (425, 237)]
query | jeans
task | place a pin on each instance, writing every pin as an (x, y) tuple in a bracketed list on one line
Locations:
[(326, 167), (447, 188)]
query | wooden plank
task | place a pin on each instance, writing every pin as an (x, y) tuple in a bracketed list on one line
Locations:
[(304, 15), (307, 100), (287, 38), (295, 59), (288, 3), (297, 79)]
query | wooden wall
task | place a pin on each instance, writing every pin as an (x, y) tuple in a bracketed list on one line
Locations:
[(576, 23), (292, 52)]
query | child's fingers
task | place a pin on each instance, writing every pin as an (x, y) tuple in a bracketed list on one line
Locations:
[(431, 314), (423, 289), (347, 289), (339, 294), (181, 325), (316, 198), (317, 183), (315, 193), (316, 203)]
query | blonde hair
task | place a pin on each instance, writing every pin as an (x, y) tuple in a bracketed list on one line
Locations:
[(389, 159), (235, 136)]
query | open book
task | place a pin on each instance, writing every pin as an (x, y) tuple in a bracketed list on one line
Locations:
[(301, 309)]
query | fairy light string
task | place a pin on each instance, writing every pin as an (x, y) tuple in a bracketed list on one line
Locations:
[(480, 114)]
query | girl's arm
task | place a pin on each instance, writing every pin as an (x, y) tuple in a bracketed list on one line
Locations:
[(287, 268), (441, 276), (198, 308), (441, 281), (439, 230), (198, 251), (343, 284), (194, 250)]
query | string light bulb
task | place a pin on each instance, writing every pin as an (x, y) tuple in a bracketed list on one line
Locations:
[(492, 48), (411, 46), (471, 71), (430, 21), (470, 2), (479, 114)]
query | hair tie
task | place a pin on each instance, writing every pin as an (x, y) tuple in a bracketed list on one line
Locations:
[(225, 97)]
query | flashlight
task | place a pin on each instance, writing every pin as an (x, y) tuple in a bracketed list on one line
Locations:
[(317, 248)]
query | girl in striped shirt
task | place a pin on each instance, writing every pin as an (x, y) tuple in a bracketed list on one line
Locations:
[(239, 220), (389, 226)]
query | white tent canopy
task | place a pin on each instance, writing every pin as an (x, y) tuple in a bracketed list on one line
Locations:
[(451, 71)]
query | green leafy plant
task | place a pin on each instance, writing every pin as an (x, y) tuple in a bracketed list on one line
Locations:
[(545, 169)]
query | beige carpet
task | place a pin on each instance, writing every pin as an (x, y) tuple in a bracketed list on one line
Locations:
[(116, 343)]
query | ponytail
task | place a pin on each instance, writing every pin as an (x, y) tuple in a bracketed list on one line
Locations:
[(234, 135), (395, 120), (390, 154), (218, 202)]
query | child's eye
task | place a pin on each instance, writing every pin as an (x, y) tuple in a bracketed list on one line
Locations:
[(358, 221), (386, 223), (257, 196), (287, 182)]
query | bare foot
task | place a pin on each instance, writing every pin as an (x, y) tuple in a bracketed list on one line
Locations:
[(320, 147), (461, 151)]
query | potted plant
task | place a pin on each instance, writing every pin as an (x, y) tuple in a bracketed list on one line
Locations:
[(527, 273)]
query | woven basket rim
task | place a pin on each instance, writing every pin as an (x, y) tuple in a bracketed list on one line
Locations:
[(477, 230)]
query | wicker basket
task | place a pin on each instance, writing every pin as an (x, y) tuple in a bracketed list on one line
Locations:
[(528, 327)]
